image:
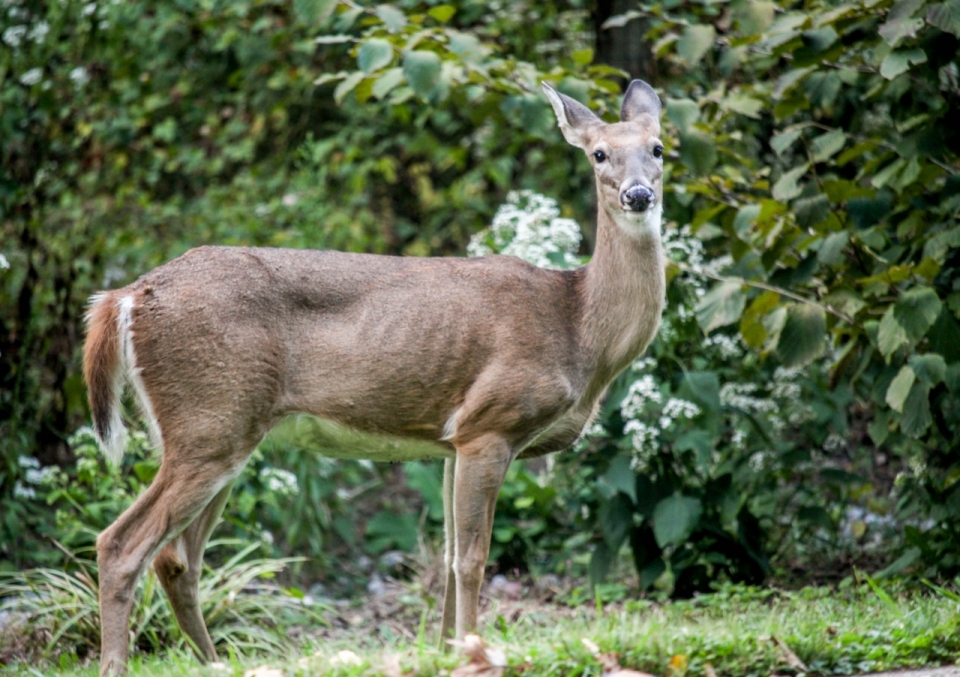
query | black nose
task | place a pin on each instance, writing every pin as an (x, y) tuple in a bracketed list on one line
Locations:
[(636, 198)]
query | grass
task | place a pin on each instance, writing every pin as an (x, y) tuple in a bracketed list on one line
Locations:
[(738, 632)]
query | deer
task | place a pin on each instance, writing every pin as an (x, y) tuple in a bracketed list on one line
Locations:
[(476, 361)]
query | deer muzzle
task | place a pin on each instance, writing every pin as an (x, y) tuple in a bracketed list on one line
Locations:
[(637, 198)]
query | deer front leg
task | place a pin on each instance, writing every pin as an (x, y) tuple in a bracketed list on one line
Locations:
[(449, 541), (480, 470)]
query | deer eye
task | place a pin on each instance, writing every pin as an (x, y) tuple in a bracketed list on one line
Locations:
[(599, 155), (658, 151)]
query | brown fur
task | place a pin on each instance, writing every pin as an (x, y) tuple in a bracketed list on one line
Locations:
[(485, 359), (101, 359)]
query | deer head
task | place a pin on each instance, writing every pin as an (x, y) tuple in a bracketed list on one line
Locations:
[(627, 156)]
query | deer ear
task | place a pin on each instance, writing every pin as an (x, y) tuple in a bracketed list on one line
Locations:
[(575, 119), (640, 99)]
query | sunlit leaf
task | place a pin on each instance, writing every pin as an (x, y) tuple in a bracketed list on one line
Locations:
[(721, 306), (422, 70), (374, 54)]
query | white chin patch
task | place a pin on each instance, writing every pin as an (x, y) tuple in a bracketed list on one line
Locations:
[(641, 224)]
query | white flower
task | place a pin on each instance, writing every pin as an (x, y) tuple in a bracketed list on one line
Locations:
[(676, 408), (289, 199), (279, 481), (28, 462), (20, 491), (643, 439), (4, 264), (13, 36), (528, 226), (31, 77), (80, 76), (39, 476), (728, 346), (39, 32), (740, 396), (641, 391)]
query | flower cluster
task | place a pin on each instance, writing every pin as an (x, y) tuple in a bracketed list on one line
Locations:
[(528, 226), (279, 481)]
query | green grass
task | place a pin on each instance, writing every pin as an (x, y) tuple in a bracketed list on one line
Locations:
[(856, 629)]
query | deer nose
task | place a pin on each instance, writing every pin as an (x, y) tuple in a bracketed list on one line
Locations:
[(636, 198)]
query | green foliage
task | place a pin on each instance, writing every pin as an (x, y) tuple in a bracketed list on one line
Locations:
[(245, 611), (837, 199)]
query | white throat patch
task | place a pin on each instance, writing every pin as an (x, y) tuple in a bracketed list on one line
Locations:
[(641, 224)]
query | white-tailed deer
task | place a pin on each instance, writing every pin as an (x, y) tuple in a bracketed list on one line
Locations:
[(477, 361)]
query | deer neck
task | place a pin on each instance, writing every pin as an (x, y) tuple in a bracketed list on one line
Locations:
[(623, 292)]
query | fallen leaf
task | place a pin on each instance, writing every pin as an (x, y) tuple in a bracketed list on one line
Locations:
[(484, 661), (708, 670), (218, 665), (346, 657), (590, 646), (677, 666), (611, 667), (791, 658), (263, 671), (391, 666)]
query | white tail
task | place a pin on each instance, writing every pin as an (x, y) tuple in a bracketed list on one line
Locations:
[(477, 361)]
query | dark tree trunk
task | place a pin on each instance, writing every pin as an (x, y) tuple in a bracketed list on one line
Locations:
[(623, 47)]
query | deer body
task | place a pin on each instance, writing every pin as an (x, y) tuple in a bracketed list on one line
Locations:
[(477, 361)]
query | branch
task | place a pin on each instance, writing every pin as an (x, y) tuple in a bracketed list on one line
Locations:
[(826, 307)]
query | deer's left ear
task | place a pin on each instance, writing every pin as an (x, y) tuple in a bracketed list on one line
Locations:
[(640, 99)]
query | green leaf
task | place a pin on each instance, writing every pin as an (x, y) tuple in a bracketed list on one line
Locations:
[(312, 12), (916, 411), (831, 251), (944, 336), (916, 311), (698, 152), (945, 16), (386, 82), (743, 104), (898, 62), (721, 306), (621, 477), (675, 518), (683, 113), (929, 368), (695, 42), (827, 145), (812, 210), (900, 22), (422, 70), (374, 54), (347, 85), (780, 142), (891, 335), (899, 388), (787, 187), (582, 57), (754, 17), (616, 518), (600, 561), (393, 18), (802, 338), (443, 13), (745, 217)]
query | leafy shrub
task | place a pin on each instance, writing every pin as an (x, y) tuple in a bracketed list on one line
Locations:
[(245, 611)]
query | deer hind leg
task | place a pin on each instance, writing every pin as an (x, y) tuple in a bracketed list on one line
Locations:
[(174, 499), (480, 470), (449, 541), (178, 567)]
